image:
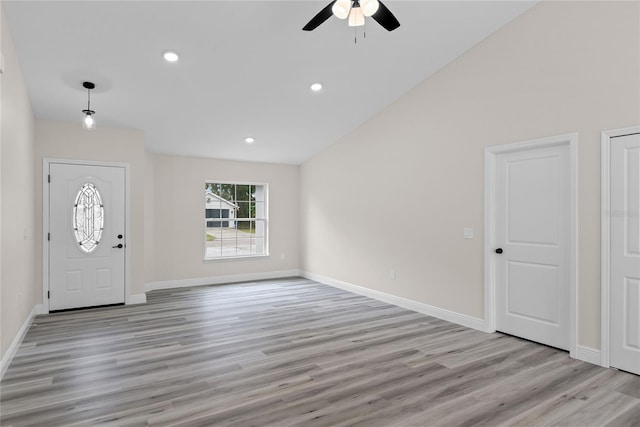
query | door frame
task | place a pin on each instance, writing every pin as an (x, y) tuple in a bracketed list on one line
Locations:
[(45, 223), (490, 179), (605, 238)]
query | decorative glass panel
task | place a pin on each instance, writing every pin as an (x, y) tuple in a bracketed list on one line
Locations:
[(88, 217)]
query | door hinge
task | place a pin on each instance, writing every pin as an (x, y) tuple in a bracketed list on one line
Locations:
[(49, 178), (49, 237), (48, 294)]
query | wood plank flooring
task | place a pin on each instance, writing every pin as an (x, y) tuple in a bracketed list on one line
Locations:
[(294, 352)]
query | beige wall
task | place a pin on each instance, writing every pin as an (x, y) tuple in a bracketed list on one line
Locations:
[(149, 220), (561, 67), (179, 212), (17, 277), (69, 141)]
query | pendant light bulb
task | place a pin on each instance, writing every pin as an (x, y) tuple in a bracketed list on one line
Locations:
[(88, 122), (369, 7), (356, 18), (341, 8)]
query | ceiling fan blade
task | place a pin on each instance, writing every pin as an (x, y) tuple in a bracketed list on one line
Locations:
[(322, 16), (385, 18)]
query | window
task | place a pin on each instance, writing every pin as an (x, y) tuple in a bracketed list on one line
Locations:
[(88, 218), (235, 220)]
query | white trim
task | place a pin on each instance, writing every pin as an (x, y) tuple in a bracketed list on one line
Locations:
[(236, 257), (46, 162), (489, 232), (429, 310), (136, 299), (605, 237), (588, 354), (17, 340), (217, 280)]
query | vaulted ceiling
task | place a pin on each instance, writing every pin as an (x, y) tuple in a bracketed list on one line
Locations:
[(245, 67)]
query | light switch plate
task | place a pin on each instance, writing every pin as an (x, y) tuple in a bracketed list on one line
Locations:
[(467, 233)]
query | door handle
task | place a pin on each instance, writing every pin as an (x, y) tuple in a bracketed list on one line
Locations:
[(118, 246), (499, 250)]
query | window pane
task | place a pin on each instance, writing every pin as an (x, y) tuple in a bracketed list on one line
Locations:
[(214, 232), (258, 193), (245, 226), (259, 210), (243, 210), (224, 191), (258, 246), (243, 193), (259, 229)]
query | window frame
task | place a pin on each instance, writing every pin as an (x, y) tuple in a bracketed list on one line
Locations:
[(265, 220)]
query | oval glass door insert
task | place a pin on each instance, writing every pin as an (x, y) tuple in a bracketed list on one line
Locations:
[(88, 217)]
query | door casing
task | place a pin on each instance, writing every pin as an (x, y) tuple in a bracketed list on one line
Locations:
[(605, 239), (491, 153), (45, 224)]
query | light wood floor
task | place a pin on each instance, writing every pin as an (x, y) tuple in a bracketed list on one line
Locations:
[(295, 352)]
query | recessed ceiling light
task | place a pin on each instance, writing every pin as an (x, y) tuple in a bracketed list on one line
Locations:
[(249, 140), (316, 87), (170, 56)]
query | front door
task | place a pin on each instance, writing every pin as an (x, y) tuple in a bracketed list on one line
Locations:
[(625, 253), (86, 241), (532, 235)]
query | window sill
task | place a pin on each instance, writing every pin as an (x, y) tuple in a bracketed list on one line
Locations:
[(235, 258)]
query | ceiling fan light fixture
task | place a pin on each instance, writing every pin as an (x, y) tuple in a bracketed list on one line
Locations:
[(341, 8), (356, 17), (369, 7)]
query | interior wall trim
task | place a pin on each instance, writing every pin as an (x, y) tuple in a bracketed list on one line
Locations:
[(136, 299), (46, 162), (491, 153), (605, 237), (17, 340), (429, 310), (217, 280), (588, 354)]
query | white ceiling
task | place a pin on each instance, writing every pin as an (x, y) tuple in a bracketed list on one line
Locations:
[(245, 67)]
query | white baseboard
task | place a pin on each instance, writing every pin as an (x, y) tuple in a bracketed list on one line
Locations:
[(217, 280), (588, 354), (429, 310), (17, 340), (136, 299)]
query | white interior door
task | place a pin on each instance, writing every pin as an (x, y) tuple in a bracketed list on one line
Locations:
[(625, 253), (532, 236), (86, 242)]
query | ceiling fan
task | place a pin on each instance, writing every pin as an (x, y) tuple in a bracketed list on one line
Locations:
[(355, 10)]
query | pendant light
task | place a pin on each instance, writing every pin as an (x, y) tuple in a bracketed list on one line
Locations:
[(88, 122)]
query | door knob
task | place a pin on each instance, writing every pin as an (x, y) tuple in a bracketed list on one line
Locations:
[(119, 246), (499, 251)]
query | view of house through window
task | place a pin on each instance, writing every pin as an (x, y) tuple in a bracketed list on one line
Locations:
[(235, 220)]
